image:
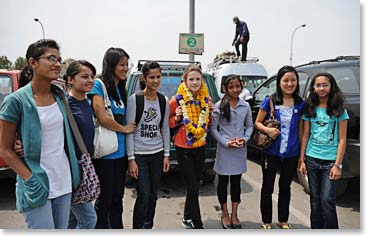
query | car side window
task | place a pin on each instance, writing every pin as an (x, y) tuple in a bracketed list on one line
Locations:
[(303, 79), (266, 89), (346, 79)]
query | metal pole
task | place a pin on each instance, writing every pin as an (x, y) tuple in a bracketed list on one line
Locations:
[(43, 30), (192, 25), (294, 31)]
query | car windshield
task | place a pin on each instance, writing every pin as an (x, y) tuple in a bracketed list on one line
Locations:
[(169, 85), (5, 87), (251, 82)]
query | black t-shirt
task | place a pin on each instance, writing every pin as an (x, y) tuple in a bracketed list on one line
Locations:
[(83, 115)]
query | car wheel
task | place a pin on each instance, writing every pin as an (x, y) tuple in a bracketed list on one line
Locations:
[(341, 184)]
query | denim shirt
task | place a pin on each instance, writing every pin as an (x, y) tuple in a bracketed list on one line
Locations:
[(20, 108), (293, 147)]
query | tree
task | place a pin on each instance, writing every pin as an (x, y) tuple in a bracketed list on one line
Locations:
[(5, 63), (20, 63), (65, 66)]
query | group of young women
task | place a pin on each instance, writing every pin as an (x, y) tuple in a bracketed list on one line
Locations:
[(312, 138)]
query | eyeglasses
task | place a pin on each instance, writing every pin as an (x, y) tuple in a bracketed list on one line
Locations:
[(326, 85), (53, 59)]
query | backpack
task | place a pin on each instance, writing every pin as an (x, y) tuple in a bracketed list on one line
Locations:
[(139, 99)]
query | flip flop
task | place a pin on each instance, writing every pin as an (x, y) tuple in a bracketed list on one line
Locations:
[(284, 226), (265, 226)]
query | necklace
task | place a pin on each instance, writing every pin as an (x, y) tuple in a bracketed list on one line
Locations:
[(195, 113)]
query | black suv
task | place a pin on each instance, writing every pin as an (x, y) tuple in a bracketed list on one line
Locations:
[(346, 70), (171, 78)]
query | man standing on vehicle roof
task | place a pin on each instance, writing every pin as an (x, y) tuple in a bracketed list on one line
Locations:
[(244, 33)]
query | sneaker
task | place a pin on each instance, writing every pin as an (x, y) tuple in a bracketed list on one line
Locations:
[(187, 224)]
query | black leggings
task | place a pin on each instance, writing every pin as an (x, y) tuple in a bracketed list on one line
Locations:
[(235, 181)]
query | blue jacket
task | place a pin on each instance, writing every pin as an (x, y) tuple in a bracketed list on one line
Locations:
[(242, 30), (20, 108), (293, 147)]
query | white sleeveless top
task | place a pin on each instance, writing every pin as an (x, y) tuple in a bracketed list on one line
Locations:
[(53, 157)]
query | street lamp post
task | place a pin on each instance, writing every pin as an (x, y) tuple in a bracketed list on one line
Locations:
[(43, 30), (294, 31), (192, 24)]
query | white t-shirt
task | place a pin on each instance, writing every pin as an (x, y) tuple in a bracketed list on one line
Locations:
[(53, 157)]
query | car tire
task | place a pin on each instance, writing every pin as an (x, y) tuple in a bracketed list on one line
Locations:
[(341, 185)]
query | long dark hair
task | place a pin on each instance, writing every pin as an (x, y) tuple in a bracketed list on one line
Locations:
[(111, 58), (335, 102), (225, 107), (278, 95)]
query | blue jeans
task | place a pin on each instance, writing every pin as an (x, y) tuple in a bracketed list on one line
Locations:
[(150, 171), (322, 194), (82, 216), (53, 215)]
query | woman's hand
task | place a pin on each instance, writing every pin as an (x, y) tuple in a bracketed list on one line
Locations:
[(233, 143), (335, 173), (129, 128), (178, 111), (165, 164), (240, 142), (272, 132), (18, 148), (302, 168), (133, 169)]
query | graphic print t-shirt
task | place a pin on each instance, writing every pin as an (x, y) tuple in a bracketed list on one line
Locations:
[(324, 130)]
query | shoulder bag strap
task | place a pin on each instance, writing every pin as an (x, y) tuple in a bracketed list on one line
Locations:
[(74, 128), (272, 112), (162, 106), (107, 102), (139, 101)]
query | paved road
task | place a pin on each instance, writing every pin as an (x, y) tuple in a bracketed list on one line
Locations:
[(171, 202)]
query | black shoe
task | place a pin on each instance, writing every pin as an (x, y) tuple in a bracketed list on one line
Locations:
[(236, 226), (224, 226), (187, 224), (198, 227)]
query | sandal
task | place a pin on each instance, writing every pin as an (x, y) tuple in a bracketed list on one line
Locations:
[(224, 226), (266, 226), (284, 226)]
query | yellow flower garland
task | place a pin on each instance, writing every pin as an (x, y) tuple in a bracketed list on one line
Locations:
[(195, 113)]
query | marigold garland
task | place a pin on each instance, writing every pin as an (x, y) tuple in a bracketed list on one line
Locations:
[(195, 113)]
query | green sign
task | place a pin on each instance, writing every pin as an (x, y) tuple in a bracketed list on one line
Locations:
[(191, 44)]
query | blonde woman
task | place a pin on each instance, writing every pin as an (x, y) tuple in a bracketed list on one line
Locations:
[(189, 111)]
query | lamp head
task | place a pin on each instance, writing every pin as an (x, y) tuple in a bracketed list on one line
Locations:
[(35, 19)]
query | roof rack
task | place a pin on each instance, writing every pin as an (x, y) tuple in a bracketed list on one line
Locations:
[(170, 65), (339, 58), (229, 57)]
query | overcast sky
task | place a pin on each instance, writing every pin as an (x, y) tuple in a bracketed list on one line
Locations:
[(150, 29)]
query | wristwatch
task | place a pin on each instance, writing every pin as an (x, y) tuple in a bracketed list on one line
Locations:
[(340, 166)]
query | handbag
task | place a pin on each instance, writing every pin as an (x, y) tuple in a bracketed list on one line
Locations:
[(89, 187), (105, 140), (260, 139)]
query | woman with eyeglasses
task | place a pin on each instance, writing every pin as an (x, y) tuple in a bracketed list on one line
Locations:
[(49, 170), (323, 147)]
